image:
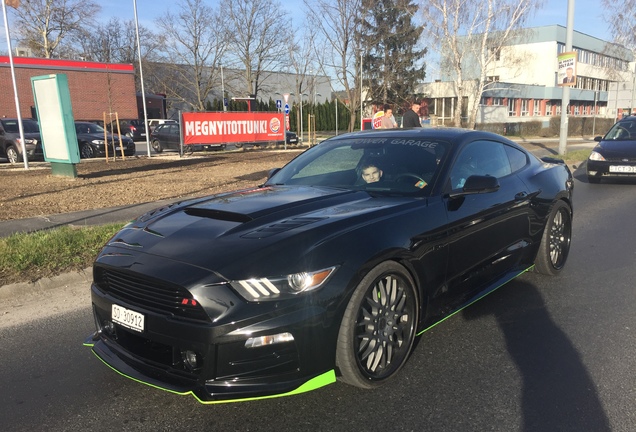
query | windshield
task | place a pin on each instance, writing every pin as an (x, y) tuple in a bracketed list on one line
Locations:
[(623, 130), (388, 164), (82, 128), (29, 126)]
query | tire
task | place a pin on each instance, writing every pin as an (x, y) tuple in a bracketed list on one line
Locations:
[(378, 327), (555, 242), (12, 155), (593, 179), (87, 151), (156, 146)]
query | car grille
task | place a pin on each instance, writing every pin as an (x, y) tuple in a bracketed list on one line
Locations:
[(621, 159), (149, 294)]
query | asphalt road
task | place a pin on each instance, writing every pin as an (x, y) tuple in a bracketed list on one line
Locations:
[(539, 354)]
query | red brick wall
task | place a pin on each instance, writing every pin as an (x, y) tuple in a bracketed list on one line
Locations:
[(95, 88)]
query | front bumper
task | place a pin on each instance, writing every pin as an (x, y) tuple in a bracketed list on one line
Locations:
[(611, 168), (226, 370)]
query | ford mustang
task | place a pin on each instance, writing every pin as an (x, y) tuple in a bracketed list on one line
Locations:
[(331, 268)]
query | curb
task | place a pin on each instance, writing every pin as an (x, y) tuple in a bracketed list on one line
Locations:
[(60, 281)]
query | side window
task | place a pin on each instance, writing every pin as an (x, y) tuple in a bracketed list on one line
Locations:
[(517, 158), (480, 158)]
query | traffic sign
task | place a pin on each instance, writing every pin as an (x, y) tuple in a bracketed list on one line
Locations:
[(279, 103), (286, 108)]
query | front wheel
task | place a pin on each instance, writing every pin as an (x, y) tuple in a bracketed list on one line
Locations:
[(378, 327), (156, 145), (87, 151), (12, 155), (555, 242)]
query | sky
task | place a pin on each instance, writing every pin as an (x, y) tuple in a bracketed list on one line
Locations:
[(587, 14)]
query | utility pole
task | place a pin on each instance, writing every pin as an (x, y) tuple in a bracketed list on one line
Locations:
[(565, 99)]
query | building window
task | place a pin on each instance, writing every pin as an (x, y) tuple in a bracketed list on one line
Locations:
[(524, 107), (497, 101), (496, 53), (576, 110), (558, 108), (548, 108), (492, 78), (512, 112), (536, 108)]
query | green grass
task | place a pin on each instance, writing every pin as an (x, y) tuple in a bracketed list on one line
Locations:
[(28, 257), (574, 156)]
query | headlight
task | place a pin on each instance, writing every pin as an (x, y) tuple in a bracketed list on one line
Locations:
[(28, 141), (98, 142), (260, 289), (595, 156)]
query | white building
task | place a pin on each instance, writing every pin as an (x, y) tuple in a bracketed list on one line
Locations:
[(524, 80)]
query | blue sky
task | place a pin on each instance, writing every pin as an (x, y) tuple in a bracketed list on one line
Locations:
[(587, 14)]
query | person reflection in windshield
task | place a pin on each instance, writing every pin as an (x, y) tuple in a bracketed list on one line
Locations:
[(371, 173)]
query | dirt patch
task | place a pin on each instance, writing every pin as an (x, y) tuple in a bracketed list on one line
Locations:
[(102, 184)]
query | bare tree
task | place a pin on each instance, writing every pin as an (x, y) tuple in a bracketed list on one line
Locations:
[(253, 28), (300, 61), (622, 22), (469, 34), (339, 45), (43, 25), (192, 48)]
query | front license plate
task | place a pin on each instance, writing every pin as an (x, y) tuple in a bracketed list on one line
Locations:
[(128, 318), (622, 169)]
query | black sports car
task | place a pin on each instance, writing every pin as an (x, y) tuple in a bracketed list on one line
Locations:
[(90, 139), (329, 269), (615, 153)]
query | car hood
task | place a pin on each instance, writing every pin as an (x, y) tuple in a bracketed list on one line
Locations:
[(228, 230), (618, 148)]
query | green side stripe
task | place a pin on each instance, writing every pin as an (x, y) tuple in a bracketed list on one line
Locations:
[(313, 384), (474, 301)]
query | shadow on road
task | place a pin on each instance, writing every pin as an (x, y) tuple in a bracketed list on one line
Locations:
[(558, 394)]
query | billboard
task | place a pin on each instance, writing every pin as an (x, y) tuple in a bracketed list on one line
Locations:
[(232, 127)]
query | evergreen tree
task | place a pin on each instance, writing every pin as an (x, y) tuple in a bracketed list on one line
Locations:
[(393, 56)]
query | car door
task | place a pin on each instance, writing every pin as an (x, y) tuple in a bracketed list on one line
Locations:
[(487, 231), (173, 139)]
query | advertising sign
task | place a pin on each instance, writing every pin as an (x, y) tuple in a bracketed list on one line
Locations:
[(232, 127), (567, 69), (377, 120)]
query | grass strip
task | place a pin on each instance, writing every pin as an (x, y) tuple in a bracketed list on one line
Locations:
[(27, 257)]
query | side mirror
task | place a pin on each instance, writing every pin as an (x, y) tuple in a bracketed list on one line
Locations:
[(598, 138), (271, 172)]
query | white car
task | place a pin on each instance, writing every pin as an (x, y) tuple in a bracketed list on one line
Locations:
[(153, 123)]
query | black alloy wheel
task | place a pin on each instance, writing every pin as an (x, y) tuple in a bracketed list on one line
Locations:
[(556, 240), (87, 151), (378, 327)]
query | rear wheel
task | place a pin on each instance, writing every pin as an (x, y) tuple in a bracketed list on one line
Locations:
[(156, 145), (378, 327), (12, 155), (87, 151), (555, 243)]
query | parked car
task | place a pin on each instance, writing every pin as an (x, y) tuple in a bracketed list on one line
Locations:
[(133, 129), (90, 139), (318, 273), (167, 136), (10, 145), (615, 154), (153, 123), (291, 137)]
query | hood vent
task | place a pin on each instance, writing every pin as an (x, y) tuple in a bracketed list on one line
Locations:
[(217, 214), (280, 227)]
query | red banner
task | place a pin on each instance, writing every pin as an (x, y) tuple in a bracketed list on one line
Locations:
[(232, 127)]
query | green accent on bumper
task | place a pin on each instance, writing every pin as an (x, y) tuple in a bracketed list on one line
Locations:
[(313, 384), (474, 301)]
